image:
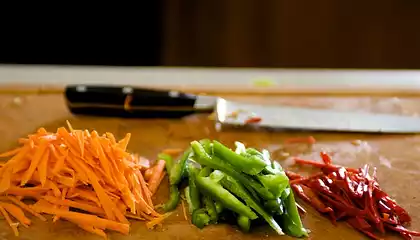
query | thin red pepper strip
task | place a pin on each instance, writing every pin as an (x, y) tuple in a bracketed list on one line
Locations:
[(356, 226), (310, 197), (402, 229), (325, 158), (351, 193), (322, 165), (292, 175)]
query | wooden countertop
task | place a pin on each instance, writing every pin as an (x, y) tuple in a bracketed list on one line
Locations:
[(396, 157)]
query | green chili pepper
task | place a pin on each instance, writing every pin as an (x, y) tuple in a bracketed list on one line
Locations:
[(210, 208), (275, 183), (291, 221), (244, 223), (207, 145), (217, 175), (200, 218), (217, 192), (201, 156), (238, 189), (169, 162), (188, 199), (173, 199), (193, 192), (251, 165), (205, 172), (274, 206), (178, 169)]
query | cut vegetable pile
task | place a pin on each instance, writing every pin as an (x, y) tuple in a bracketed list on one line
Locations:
[(244, 185), (352, 195), (78, 176)]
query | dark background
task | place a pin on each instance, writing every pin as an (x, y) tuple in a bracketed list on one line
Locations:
[(227, 33)]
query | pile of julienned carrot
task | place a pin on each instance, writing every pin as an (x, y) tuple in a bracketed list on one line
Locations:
[(79, 176), (352, 195)]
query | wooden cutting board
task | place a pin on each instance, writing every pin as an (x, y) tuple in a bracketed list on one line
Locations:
[(396, 157)]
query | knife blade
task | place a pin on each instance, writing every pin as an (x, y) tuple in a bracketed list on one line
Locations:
[(131, 102)]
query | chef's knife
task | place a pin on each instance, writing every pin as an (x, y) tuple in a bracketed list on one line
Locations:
[(134, 102)]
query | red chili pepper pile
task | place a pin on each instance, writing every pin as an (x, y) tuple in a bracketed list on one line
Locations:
[(352, 195)]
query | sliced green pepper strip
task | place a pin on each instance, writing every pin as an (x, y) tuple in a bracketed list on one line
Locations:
[(173, 199), (244, 223), (275, 183), (217, 192), (194, 193), (210, 208), (200, 218), (188, 199), (201, 156), (177, 171), (274, 206), (205, 172), (169, 162), (251, 165), (238, 189), (291, 221)]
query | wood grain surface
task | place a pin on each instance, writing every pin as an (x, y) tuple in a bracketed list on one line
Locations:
[(396, 157)]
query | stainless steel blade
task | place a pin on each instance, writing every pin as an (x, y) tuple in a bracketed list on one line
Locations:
[(294, 118)]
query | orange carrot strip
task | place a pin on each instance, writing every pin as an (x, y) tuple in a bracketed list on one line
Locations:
[(83, 218), (42, 167), (23, 164), (81, 140), (111, 137), (146, 191), (88, 195), (105, 201), (9, 221), (17, 213), (123, 143), (26, 208), (35, 161), (11, 152), (51, 185), (28, 192), (151, 224), (92, 229), (155, 179), (75, 204), (5, 179), (132, 216)]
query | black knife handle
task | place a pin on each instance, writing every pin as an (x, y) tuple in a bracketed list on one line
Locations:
[(127, 101)]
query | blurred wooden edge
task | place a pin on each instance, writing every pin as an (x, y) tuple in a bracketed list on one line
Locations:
[(25, 89)]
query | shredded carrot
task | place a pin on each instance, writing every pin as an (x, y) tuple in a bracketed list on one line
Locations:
[(151, 224), (17, 213), (9, 221), (72, 170), (26, 208), (156, 176)]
